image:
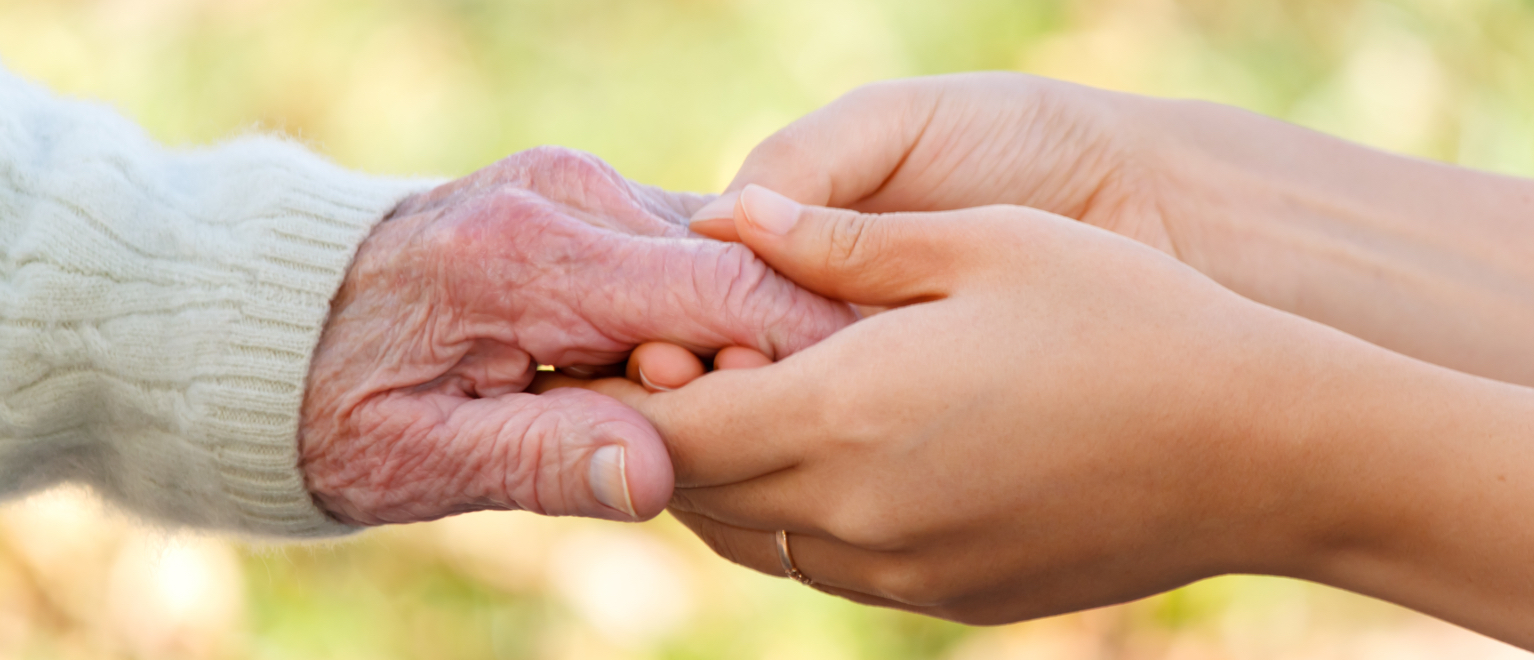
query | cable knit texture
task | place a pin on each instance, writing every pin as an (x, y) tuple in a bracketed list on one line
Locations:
[(158, 310)]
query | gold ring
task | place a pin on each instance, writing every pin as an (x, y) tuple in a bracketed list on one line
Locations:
[(788, 561)]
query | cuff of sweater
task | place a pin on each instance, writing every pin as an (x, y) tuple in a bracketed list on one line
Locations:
[(315, 215)]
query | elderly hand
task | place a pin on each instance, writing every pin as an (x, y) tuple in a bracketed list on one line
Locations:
[(415, 408), (1052, 418)]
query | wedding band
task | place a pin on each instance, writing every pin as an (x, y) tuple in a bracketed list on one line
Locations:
[(788, 561)]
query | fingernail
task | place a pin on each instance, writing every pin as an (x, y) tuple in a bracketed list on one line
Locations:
[(578, 371), (718, 228), (769, 211), (722, 208), (609, 480), (645, 381)]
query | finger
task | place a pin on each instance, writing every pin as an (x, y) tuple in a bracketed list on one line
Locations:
[(593, 190), (626, 391), (832, 567), (887, 261), (589, 372), (882, 260), (740, 357), (699, 294), (716, 219), (673, 207), (582, 271), (662, 367), (566, 452), (423, 456), (730, 425), (834, 156), (786, 499), (780, 500), (712, 440), (571, 294), (590, 189)]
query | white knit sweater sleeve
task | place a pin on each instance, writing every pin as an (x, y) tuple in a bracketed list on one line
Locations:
[(158, 310)]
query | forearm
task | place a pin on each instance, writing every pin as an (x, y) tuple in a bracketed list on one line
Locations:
[(1409, 482), (1433, 261)]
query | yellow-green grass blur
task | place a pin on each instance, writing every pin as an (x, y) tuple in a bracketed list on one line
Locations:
[(674, 93)]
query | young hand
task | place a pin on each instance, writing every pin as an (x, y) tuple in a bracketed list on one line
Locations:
[(1051, 418), (1428, 260)]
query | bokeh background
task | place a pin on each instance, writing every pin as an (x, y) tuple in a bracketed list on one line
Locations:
[(674, 93)]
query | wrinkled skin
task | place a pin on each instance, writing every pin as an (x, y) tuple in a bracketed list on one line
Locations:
[(415, 408)]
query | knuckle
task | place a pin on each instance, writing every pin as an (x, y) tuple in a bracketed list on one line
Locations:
[(866, 530), (863, 518), (735, 294), (908, 582), (377, 469), (731, 276), (557, 172), (548, 157), (539, 456), (728, 547), (548, 153), (883, 91), (682, 500), (746, 293), (840, 407), (851, 240), (861, 513), (723, 543), (548, 445), (787, 145)]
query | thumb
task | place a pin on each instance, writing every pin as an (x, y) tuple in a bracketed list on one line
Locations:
[(422, 456), (840, 155), (864, 259), (565, 452)]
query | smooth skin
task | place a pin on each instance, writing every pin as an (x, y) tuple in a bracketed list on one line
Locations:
[(1053, 418), (1429, 260), (1027, 432)]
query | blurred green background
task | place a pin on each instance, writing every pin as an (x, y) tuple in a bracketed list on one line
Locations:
[(674, 93)]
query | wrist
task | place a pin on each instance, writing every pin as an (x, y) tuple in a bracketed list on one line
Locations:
[(1235, 192), (1316, 464), (1269, 498), (1422, 258), (1299, 441), (1396, 479)]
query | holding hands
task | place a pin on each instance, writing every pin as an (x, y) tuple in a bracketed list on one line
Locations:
[(416, 407), (1091, 368), (1049, 417), (989, 448), (1109, 345), (1425, 259)]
